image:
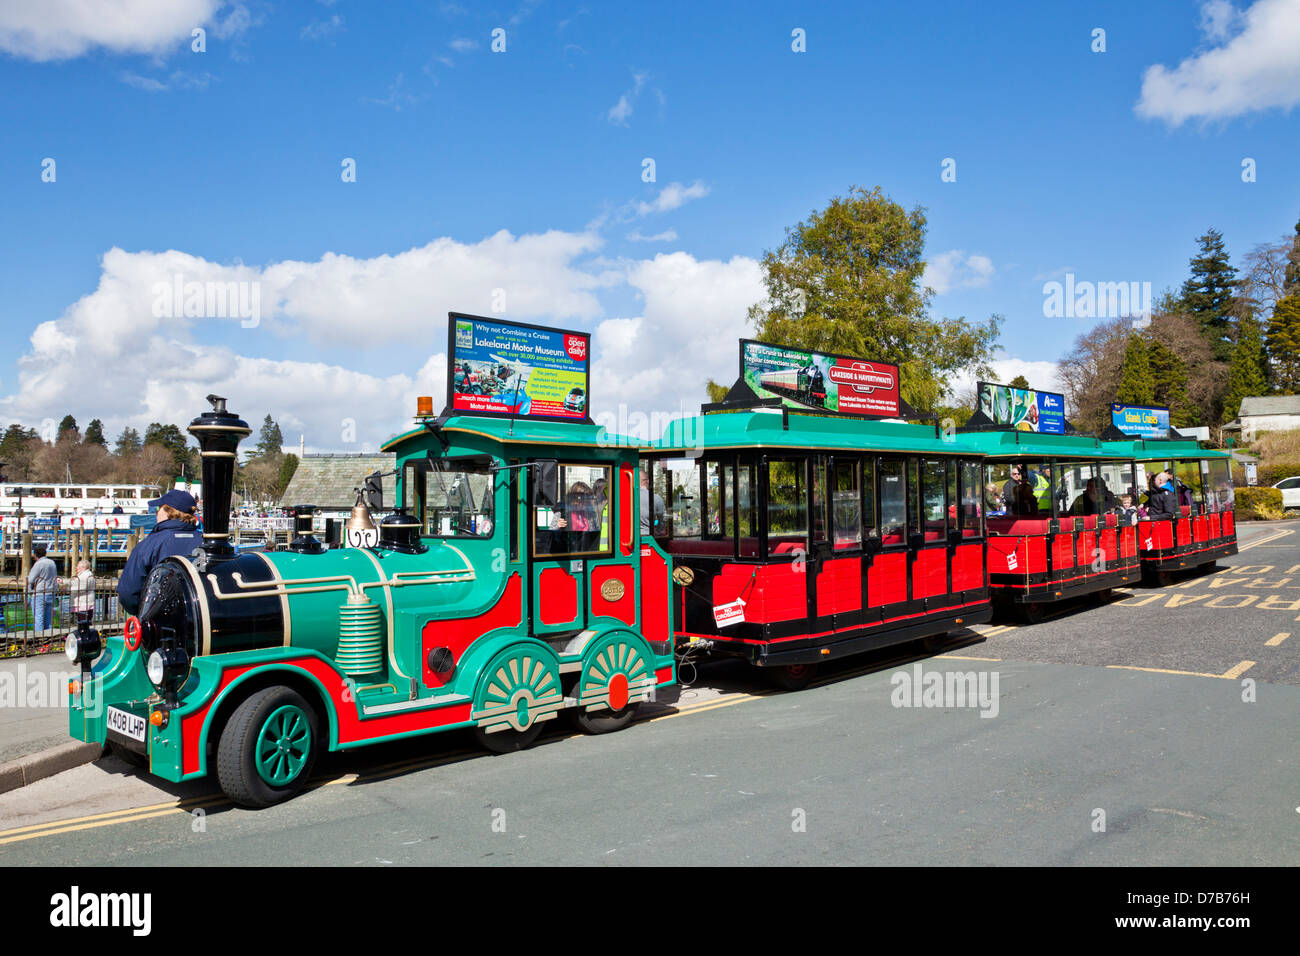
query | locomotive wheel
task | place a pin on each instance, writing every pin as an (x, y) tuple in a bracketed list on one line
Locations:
[(506, 741), (604, 721), (268, 748), (793, 676)]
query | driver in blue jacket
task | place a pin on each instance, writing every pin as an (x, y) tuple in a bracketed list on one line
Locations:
[(177, 532)]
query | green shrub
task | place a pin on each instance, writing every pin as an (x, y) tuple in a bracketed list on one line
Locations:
[(1259, 503), (1273, 472)]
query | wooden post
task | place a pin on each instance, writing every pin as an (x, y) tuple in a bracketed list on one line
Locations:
[(131, 542), (94, 548), (73, 554), (26, 556)]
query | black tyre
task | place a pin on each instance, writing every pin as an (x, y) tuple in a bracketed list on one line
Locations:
[(604, 721), (1029, 612), (268, 748), (934, 643), (793, 676), (507, 741)]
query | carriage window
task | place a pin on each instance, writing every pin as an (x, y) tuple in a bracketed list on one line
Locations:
[(846, 506), (1077, 489), (718, 499), (893, 503), (747, 508), (913, 495), (452, 497), (934, 482), (1116, 487), (580, 524), (819, 466), (1218, 485), (1188, 484), (869, 496), (952, 493), (676, 484), (787, 504), (970, 499)]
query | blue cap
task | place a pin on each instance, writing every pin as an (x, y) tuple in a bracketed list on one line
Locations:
[(180, 500)]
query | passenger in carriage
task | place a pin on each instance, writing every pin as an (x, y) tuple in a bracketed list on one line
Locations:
[(994, 503), (1127, 513), (571, 527), (1087, 503), (1162, 502), (1010, 486), (1026, 504)]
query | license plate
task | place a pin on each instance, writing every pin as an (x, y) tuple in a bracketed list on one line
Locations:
[(126, 724)]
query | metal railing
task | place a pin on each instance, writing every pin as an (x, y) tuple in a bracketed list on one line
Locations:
[(19, 635)]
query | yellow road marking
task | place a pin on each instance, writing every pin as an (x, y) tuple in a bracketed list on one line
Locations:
[(1277, 639), (714, 706), (955, 657), (92, 822), (1237, 671), (1255, 544)]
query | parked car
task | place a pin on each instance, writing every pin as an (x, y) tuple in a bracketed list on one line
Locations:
[(1290, 488)]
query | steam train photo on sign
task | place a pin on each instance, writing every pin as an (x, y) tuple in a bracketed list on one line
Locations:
[(526, 572)]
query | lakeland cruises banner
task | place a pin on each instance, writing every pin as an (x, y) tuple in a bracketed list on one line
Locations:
[(1022, 408), (833, 383), (512, 369), (1140, 421)]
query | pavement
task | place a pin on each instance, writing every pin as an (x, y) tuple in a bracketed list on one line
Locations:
[(1156, 728)]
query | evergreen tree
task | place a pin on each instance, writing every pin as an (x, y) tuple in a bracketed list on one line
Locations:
[(1169, 385), (1283, 339), (1291, 284), (1246, 377), (287, 467), (1210, 294), (128, 443), (1019, 382), (269, 441), (1136, 386), (69, 424), (171, 438), (95, 433)]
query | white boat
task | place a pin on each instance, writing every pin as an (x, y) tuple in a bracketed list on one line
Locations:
[(77, 506)]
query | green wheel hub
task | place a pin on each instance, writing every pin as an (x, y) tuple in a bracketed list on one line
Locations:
[(283, 745)]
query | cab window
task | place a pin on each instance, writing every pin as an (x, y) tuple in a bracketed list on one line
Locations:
[(451, 497), (579, 524)]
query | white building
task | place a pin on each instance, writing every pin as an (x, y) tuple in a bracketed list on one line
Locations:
[(1268, 413)]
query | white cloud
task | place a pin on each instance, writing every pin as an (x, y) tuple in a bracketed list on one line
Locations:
[(319, 29), (956, 270), (63, 29), (673, 196), (620, 112), (668, 235), (149, 367), (463, 44), (1043, 376), (178, 80), (1255, 67)]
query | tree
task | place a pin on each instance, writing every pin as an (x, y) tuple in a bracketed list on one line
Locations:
[(18, 450), (1169, 385), (128, 443), (1090, 373), (1136, 386), (1019, 382), (1246, 375), (95, 433), (848, 280), (269, 441), (171, 438), (69, 424), (1210, 294), (287, 467), (1291, 284), (1264, 280), (1283, 340)]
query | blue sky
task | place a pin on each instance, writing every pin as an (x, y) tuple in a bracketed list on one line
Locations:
[(520, 172)]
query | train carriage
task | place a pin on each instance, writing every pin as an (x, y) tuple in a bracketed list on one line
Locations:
[(1206, 530), (797, 539), (1056, 526)]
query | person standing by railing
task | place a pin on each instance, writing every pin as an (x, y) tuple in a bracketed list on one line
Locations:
[(41, 582), (83, 593)]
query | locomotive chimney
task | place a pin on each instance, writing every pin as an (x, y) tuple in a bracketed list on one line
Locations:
[(218, 433)]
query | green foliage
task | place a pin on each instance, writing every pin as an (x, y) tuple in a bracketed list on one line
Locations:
[(1169, 385), (287, 467), (269, 440), (1247, 375), (1260, 503), (1283, 341), (1210, 293), (716, 392), (69, 424), (960, 414), (18, 450), (1019, 382), (848, 280), (1136, 386), (171, 438), (95, 433), (128, 443), (1291, 284)]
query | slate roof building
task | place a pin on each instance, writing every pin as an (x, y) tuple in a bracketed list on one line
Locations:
[(327, 481), (1266, 413)]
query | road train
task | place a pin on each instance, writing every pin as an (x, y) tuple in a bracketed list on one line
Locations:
[(526, 574)]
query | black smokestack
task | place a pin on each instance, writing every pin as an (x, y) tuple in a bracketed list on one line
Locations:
[(218, 433)]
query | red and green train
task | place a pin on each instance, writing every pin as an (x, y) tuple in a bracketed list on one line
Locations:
[(528, 574)]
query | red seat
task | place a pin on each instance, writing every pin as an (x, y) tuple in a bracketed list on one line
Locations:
[(1019, 525)]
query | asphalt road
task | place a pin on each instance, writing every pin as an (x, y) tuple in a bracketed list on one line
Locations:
[(1159, 728)]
